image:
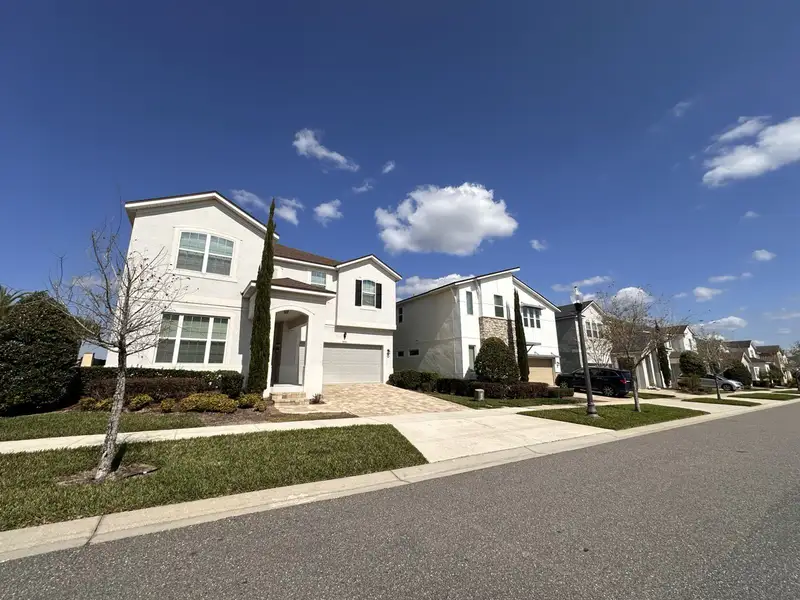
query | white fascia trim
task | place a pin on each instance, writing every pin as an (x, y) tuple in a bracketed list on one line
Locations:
[(371, 257), (536, 294), (134, 206), (304, 263)]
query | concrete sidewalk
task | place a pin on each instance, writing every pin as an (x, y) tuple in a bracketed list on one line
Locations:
[(439, 436)]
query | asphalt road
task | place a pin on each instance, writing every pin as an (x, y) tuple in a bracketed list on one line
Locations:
[(710, 511)]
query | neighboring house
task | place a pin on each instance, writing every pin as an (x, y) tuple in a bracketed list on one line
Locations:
[(442, 330), (746, 352), (598, 350), (776, 360), (681, 340), (332, 321)]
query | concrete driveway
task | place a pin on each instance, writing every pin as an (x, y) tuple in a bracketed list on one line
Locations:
[(373, 399)]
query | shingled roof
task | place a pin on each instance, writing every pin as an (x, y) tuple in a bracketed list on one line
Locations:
[(295, 254), (768, 350)]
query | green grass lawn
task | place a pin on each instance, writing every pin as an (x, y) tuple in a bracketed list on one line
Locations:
[(769, 396), (492, 403), (617, 416), (194, 469), (728, 401), (56, 424), (651, 395)]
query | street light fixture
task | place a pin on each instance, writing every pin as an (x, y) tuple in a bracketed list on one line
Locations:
[(577, 299)]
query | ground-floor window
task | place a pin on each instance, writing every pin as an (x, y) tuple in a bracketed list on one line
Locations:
[(192, 339)]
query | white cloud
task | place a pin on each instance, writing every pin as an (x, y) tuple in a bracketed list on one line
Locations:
[(745, 127), (388, 167), (784, 330), (364, 187), (704, 294), (782, 316), (328, 211), (764, 255), (750, 214), (774, 147), (245, 198), (680, 295), (726, 323), (633, 294), (680, 108), (286, 209), (307, 144), (411, 286), (87, 282), (539, 245), (588, 282), (721, 278), (746, 275), (452, 220), (759, 342)]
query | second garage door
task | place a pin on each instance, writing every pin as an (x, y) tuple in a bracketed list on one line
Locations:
[(541, 369), (351, 363)]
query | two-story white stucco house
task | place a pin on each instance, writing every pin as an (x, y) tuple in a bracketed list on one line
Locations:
[(332, 320), (598, 349), (442, 329)]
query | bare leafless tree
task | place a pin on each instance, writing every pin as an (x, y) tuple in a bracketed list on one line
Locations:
[(635, 324), (118, 305), (793, 358), (712, 351)]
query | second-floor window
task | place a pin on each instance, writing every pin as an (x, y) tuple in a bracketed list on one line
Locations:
[(532, 317), (498, 307), (204, 253), (369, 293), (319, 278), (469, 303), (399, 314)]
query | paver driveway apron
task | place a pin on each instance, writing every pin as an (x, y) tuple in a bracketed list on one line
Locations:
[(373, 399)]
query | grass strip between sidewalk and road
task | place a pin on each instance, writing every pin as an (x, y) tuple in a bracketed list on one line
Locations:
[(769, 396), (194, 469), (617, 416), (506, 403), (57, 424), (728, 401), (650, 395)]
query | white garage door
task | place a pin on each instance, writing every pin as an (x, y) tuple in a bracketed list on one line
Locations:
[(351, 363)]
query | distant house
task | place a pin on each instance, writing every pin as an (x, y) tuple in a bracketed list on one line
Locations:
[(681, 340), (598, 350), (750, 356), (442, 330), (776, 360)]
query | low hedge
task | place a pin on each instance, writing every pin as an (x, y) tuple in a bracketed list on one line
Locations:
[(209, 402), (226, 382), (456, 387), (526, 389), (559, 392), (424, 381)]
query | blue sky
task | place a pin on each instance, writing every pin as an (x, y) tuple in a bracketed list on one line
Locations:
[(629, 139)]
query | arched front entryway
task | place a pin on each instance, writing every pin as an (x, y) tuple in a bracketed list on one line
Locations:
[(289, 339)]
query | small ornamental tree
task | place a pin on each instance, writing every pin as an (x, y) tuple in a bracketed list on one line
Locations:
[(38, 352), (260, 342), (496, 362), (712, 352), (692, 364), (522, 346), (663, 364), (738, 372)]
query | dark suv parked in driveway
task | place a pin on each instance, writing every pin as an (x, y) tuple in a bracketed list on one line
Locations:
[(609, 382)]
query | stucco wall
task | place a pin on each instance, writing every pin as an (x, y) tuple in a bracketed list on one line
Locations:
[(430, 325)]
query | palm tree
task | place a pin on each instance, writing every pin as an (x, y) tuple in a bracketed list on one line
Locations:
[(8, 298)]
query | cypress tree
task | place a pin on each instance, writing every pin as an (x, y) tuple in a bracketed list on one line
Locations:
[(260, 343), (522, 347)]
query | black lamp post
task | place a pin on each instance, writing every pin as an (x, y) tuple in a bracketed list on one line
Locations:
[(577, 298)]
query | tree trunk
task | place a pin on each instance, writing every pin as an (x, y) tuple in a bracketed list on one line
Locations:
[(716, 381), (636, 406), (112, 429)]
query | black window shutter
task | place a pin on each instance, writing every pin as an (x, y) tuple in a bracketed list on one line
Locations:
[(358, 292), (378, 295)]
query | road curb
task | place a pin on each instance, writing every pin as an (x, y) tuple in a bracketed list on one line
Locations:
[(30, 541)]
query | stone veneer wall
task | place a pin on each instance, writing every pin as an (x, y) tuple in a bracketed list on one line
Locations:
[(497, 327)]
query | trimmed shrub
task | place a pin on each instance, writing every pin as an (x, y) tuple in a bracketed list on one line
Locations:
[(457, 387), (227, 382), (414, 380), (494, 390), (249, 400), (89, 403), (168, 405), (738, 372), (38, 351), (692, 364), (427, 381), (208, 402), (559, 392), (496, 362), (527, 390), (139, 401), (156, 387), (260, 406)]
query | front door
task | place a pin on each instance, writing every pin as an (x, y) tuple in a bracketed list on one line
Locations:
[(276, 354)]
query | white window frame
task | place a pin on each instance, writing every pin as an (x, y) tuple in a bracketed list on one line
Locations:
[(531, 317), (374, 293), (318, 272), (472, 353), (470, 303), (501, 306), (178, 338), (176, 247)]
